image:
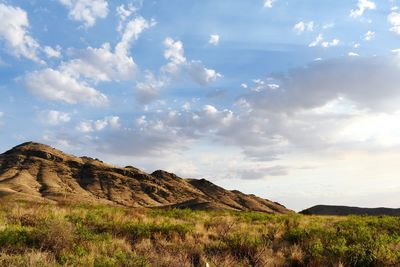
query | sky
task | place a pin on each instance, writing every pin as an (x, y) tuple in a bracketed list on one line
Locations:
[(294, 101)]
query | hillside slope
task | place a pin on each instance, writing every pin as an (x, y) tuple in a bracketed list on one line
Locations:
[(345, 210), (37, 172)]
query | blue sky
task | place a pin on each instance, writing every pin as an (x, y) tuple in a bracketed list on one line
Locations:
[(296, 101)]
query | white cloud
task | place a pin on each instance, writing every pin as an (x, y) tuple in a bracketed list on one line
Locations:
[(269, 3), (394, 20), (334, 42), (164, 132), (14, 30), (148, 90), (209, 109), (355, 78), (51, 52), (85, 127), (54, 117), (111, 121), (88, 126), (124, 13), (304, 26), (362, 6), (396, 51), (310, 112), (352, 54), (131, 33), (313, 105), (201, 74), (369, 36), (214, 39), (177, 67), (59, 86), (86, 10), (92, 65), (319, 40), (328, 26), (175, 54), (101, 64)]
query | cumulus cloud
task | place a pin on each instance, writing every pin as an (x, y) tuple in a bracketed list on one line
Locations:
[(201, 74), (52, 52), (155, 133), (352, 54), (174, 53), (362, 6), (145, 138), (302, 26), (103, 64), (91, 66), (177, 67), (334, 42), (269, 3), (148, 90), (319, 41), (369, 36), (86, 11), (214, 39), (14, 30), (356, 78), (54, 117), (124, 13), (88, 126), (308, 109), (394, 20), (131, 33), (313, 105), (58, 86)]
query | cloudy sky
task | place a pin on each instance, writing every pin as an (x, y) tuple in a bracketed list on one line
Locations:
[(295, 101)]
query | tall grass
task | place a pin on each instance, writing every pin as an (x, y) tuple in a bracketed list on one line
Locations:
[(84, 235)]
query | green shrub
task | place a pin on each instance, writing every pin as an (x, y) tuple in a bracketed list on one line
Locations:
[(18, 237), (140, 230)]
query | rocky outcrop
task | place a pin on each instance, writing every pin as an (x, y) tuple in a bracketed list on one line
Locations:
[(37, 172)]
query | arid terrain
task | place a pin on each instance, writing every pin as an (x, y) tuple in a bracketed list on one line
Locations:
[(37, 172), (34, 234), (61, 210)]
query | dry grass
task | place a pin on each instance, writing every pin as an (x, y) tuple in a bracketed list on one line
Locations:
[(62, 235)]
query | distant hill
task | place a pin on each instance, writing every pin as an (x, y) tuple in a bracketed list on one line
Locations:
[(345, 210), (37, 172)]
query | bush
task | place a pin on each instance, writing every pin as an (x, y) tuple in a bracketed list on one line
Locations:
[(17, 237)]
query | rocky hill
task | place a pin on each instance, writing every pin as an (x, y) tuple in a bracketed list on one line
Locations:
[(345, 210), (37, 172)]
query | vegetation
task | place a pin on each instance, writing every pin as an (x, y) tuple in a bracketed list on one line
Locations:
[(64, 235)]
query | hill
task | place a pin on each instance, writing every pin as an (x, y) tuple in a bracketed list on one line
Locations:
[(345, 210), (37, 172)]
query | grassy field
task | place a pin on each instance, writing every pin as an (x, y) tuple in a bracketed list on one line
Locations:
[(64, 235)]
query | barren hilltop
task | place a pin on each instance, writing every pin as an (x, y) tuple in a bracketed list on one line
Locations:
[(37, 172)]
